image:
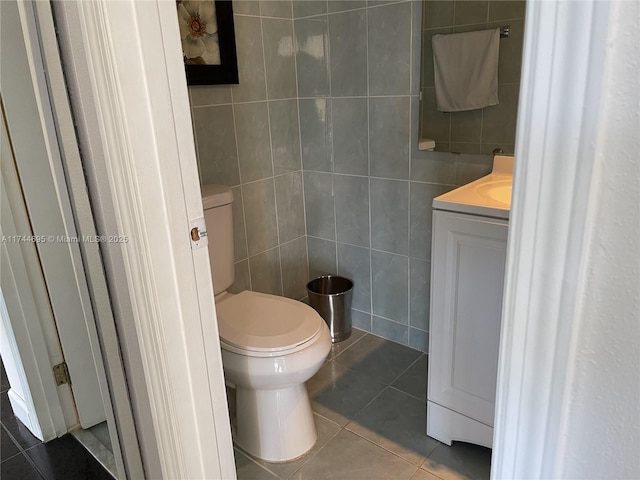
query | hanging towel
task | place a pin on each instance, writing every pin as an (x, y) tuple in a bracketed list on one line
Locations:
[(466, 70)]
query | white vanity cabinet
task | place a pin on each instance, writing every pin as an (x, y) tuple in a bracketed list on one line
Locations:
[(467, 278)]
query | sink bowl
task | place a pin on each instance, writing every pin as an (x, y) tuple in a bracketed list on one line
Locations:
[(499, 190)]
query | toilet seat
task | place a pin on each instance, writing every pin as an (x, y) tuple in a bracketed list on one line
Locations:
[(260, 325)]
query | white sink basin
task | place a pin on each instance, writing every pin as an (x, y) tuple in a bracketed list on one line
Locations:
[(499, 190)]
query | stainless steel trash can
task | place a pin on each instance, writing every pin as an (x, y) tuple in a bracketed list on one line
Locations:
[(330, 296)]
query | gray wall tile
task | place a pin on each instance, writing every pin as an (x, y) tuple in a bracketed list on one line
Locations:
[(389, 125), (419, 340), (276, 8), (295, 268), (242, 280), (466, 126), (416, 46), (265, 272), (437, 13), (202, 95), (216, 143), (352, 209), (239, 235), (390, 286), (419, 293), (290, 203), (319, 208), (260, 216), (390, 49), (354, 263), (315, 134), (252, 84), (350, 135), (348, 53), (305, 8), (434, 123), (391, 330), (285, 136), (390, 215), (361, 320), (499, 122), (322, 257), (312, 56), (506, 9), (342, 5), (472, 11), (437, 167), (246, 7), (472, 167), (254, 144), (279, 55), (422, 195)]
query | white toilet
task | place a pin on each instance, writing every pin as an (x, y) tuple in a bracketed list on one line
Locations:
[(270, 345)]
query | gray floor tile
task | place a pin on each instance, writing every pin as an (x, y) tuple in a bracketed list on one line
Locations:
[(339, 393), (247, 469), (348, 456), (378, 358), (338, 348), (326, 431), (414, 380), (397, 422), (424, 475), (460, 461)]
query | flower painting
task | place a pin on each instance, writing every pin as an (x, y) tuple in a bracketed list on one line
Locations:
[(208, 41), (199, 32)]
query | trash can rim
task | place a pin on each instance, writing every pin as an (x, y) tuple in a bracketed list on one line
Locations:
[(343, 292)]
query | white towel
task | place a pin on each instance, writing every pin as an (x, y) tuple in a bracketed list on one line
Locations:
[(466, 70)]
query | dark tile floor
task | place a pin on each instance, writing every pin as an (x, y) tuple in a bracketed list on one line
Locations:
[(24, 457), (369, 402)]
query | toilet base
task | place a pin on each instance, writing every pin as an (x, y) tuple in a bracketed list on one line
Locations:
[(275, 425)]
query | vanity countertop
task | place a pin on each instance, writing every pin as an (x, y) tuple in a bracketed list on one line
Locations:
[(489, 196)]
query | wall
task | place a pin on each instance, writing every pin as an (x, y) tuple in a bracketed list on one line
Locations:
[(247, 138), (347, 173), (482, 130), (602, 409), (368, 191)]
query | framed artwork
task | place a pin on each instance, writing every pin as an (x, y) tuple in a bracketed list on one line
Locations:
[(208, 41)]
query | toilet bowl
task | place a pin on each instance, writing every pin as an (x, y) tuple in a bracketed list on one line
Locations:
[(270, 346)]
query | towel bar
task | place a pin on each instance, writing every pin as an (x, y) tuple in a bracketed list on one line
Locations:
[(504, 31)]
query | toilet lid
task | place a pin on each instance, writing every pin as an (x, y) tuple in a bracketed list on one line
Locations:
[(266, 323)]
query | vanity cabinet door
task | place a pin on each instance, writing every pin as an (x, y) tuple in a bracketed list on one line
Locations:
[(467, 279)]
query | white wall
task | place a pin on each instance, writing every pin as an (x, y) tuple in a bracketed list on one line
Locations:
[(568, 382), (602, 422)]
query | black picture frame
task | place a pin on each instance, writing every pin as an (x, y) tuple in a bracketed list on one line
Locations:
[(227, 71)]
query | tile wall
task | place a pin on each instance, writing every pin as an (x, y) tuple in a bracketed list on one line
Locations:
[(317, 143), (368, 190), (247, 137), (483, 130)]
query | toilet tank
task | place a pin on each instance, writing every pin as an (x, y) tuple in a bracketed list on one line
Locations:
[(216, 201)]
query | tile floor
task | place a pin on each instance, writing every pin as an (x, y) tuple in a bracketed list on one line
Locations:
[(24, 457), (369, 400)]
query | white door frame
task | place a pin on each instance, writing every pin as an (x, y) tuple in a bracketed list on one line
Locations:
[(39, 167), (561, 155), (124, 67), (28, 340)]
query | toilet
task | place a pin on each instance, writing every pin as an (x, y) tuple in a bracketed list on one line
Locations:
[(270, 346)]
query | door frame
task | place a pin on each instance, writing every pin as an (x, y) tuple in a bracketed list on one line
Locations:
[(124, 69)]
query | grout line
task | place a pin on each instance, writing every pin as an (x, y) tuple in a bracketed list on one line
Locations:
[(369, 173), (407, 393)]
